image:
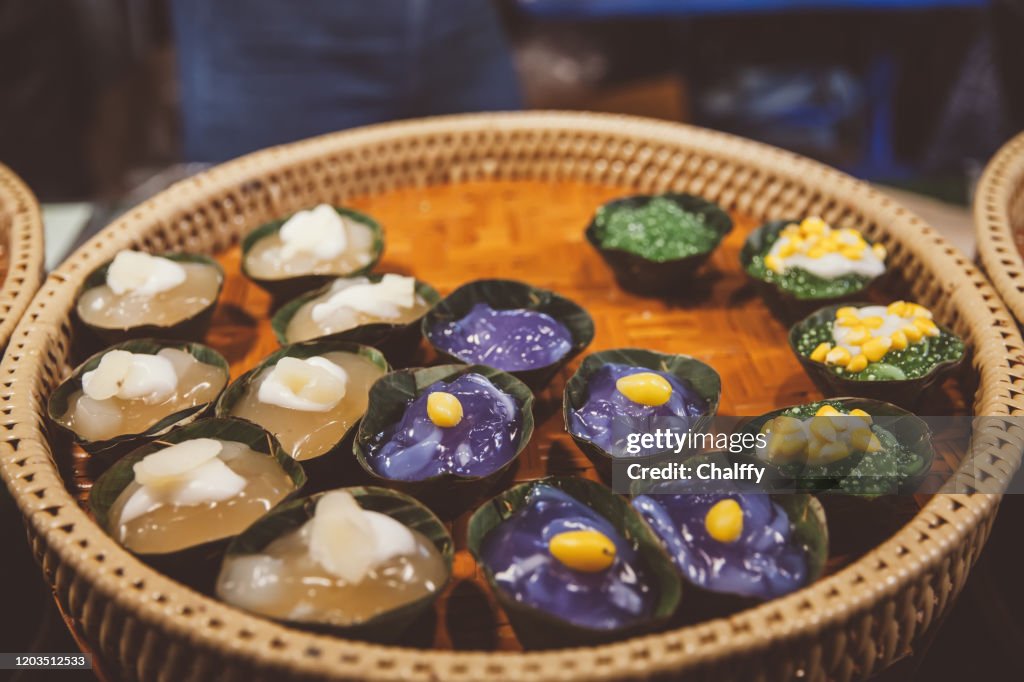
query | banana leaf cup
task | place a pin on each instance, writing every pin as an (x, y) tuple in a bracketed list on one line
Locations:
[(899, 467), (386, 627), (195, 565), (398, 342), (798, 293), (503, 294), (807, 525), (447, 494), (883, 381), (189, 328), (867, 496), (701, 378), (105, 451), (538, 628), (333, 467), (284, 288), (664, 272)]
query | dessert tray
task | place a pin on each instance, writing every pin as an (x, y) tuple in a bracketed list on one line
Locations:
[(999, 222), (21, 250), (510, 196)]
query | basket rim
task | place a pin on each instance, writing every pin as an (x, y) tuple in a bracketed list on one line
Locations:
[(25, 242), (944, 522), (1002, 178)]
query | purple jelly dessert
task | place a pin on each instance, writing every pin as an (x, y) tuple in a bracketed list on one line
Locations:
[(467, 427), (736, 543), (625, 399), (512, 340), (557, 555)]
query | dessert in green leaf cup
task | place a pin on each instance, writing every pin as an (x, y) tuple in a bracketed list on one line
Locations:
[(379, 310), (655, 243), (446, 435), (308, 249), (356, 562), (572, 564), (311, 396), (530, 333), (176, 501), (135, 391), (626, 391), (141, 295), (802, 265), (893, 353)]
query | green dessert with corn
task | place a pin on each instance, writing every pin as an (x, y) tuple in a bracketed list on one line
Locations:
[(811, 260), (879, 343), (838, 445)]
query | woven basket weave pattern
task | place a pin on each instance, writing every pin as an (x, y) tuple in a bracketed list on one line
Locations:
[(999, 221), (844, 627), (21, 229)]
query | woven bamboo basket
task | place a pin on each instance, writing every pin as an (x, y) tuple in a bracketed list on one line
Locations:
[(21, 250), (999, 222), (849, 625)]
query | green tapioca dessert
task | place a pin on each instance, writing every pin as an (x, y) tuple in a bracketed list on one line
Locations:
[(655, 242)]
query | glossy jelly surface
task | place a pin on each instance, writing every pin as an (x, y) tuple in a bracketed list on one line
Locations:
[(511, 340), (762, 561), (609, 417), (482, 441), (518, 553)]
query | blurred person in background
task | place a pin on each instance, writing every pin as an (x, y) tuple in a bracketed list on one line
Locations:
[(255, 73)]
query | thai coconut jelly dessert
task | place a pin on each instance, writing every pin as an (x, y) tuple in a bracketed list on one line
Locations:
[(467, 427), (127, 393), (625, 399), (734, 543), (873, 343), (193, 492), (819, 442), (342, 567), (559, 556), (142, 289), (512, 340), (356, 301), (814, 260), (309, 403), (319, 241)]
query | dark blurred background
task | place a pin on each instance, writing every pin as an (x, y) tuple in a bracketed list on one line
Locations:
[(103, 102), (911, 92)]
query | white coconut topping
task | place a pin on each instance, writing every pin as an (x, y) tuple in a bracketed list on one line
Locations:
[(141, 274), (312, 385), (384, 299), (131, 376), (349, 541), (845, 335), (824, 251), (320, 232), (185, 474), (173, 463)]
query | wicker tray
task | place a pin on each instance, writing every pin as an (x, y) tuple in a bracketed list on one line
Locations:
[(999, 222), (508, 195), (21, 250)]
